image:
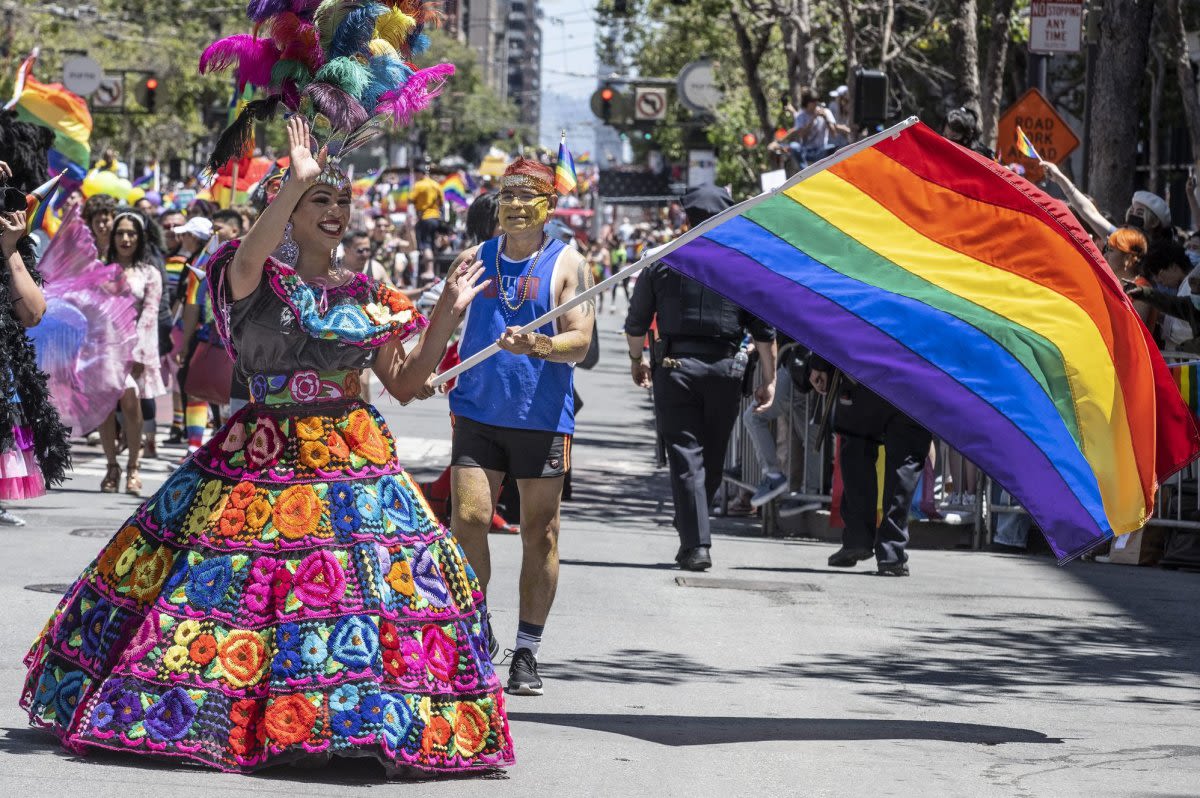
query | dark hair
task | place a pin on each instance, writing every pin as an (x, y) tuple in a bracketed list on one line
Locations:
[(1162, 255), (138, 220), (482, 217), (807, 98), (96, 205), (228, 215), (350, 237)]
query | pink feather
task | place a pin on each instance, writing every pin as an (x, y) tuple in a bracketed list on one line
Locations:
[(405, 102), (254, 58)]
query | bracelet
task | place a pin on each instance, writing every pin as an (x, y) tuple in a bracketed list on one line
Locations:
[(635, 358), (542, 346)]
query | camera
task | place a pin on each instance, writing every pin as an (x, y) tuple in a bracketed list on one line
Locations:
[(13, 198)]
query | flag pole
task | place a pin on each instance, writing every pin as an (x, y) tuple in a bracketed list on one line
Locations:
[(667, 249)]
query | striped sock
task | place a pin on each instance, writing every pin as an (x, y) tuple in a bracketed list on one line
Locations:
[(197, 420), (529, 635)]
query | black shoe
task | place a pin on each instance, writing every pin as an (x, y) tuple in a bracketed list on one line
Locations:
[(893, 569), (697, 559), (492, 643), (523, 677), (848, 558), (175, 437)]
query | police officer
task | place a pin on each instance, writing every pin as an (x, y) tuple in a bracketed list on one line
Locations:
[(864, 421), (697, 381)]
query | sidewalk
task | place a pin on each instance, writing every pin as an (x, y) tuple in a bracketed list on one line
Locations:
[(981, 675)]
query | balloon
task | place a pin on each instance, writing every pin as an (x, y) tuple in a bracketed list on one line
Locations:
[(136, 193), (93, 183), (121, 189), (155, 198)]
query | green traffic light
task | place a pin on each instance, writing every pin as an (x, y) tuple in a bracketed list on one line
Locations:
[(646, 136)]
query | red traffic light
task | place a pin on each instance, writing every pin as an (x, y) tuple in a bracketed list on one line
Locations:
[(607, 94), (151, 83), (780, 133), (749, 140)]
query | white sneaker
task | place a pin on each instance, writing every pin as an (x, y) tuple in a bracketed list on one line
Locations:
[(8, 519)]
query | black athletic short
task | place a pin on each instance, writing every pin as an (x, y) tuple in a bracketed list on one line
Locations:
[(520, 453), (426, 233)]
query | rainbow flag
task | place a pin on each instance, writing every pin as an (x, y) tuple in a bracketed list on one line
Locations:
[(455, 191), (38, 204), (396, 200), (52, 106), (978, 306), (1025, 146), (564, 170), (1187, 379)]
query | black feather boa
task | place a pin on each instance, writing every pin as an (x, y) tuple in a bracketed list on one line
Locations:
[(19, 374)]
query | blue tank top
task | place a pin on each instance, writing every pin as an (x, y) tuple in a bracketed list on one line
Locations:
[(508, 390)]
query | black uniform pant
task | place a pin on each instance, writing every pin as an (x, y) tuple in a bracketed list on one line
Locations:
[(864, 422), (697, 404)]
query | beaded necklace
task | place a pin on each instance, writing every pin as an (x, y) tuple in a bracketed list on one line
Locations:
[(506, 307)]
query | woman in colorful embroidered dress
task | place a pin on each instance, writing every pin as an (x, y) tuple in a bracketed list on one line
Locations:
[(287, 595)]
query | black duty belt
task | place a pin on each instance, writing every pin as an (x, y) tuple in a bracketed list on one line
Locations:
[(701, 347)]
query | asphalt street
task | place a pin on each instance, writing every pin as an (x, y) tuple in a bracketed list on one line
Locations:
[(772, 674)]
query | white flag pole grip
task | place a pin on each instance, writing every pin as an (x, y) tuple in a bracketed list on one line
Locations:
[(667, 249)]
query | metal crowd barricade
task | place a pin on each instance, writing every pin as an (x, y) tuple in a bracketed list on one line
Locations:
[(1178, 502), (958, 487)]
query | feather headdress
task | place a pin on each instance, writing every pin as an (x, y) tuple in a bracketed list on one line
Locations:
[(344, 64)]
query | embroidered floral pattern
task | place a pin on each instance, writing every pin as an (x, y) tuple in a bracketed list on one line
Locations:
[(286, 593)]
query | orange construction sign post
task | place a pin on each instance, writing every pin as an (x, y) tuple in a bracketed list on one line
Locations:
[(1051, 136)]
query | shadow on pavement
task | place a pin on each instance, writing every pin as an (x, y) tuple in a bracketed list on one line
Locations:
[(679, 730)]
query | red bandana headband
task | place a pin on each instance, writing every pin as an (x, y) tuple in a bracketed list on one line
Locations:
[(524, 173)]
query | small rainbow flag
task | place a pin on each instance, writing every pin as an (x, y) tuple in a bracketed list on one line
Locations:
[(978, 306), (38, 215), (455, 191), (564, 171), (1025, 146), (396, 200), (52, 106), (1187, 378)]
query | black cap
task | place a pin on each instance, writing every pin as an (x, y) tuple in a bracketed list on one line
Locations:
[(704, 201)]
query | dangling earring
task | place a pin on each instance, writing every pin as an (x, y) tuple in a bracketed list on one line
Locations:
[(287, 251)]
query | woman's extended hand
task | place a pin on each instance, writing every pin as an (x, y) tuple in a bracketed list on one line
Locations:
[(461, 285), (304, 166)]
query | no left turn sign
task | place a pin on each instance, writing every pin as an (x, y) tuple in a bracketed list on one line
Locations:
[(650, 104)]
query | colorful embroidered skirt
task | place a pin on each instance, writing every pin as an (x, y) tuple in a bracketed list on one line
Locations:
[(286, 595)]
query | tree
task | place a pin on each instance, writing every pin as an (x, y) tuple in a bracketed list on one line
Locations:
[(1118, 76), (1188, 89)]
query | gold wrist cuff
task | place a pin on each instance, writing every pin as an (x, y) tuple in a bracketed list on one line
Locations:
[(542, 346)]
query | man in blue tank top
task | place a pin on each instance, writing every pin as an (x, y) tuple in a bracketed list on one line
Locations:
[(514, 413)]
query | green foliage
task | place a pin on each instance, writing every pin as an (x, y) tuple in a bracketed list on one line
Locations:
[(165, 39)]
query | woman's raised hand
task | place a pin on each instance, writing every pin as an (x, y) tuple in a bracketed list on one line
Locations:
[(304, 165), (461, 285)]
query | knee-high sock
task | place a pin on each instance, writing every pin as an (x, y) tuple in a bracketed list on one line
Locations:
[(197, 420)]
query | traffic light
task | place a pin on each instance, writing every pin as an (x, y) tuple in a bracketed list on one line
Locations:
[(749, 140), (606, 98), (151, 93), (780, 133)]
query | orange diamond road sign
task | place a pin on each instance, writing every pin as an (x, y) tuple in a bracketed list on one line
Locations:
[(1051, 136)]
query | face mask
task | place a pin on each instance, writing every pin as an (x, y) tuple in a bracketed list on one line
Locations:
[(1194, 257), (1133, 220)]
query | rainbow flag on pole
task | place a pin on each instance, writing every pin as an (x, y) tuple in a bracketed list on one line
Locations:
[(52, 106), (978, 306), (1025, 146), (455, 191), (38, 215), (564, 170)]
